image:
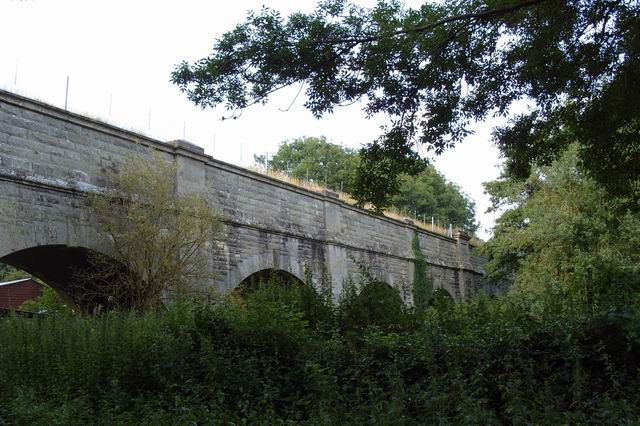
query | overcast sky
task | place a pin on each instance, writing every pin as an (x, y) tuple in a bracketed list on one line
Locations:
[(118, 56)]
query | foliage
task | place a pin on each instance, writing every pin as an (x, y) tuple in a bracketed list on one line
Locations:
[(155, 239), (422, 286), (430, 195), (49, 302), (426, 195), (317, 160), (435, 69), (373, 304), (9, 273), (378, 174), (276, 287), (560, 231), (489, 361)]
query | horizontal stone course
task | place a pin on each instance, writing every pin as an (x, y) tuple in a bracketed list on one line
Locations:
[(268, 222)]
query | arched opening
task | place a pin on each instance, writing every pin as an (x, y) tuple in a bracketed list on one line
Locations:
[(268, 277), (282, 287), (74, 272), (273, 284), (377, 304), (440, 297)]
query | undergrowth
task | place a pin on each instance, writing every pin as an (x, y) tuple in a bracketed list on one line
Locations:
[(282, 355)]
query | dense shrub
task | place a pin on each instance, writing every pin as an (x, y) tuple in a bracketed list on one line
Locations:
[(266, 359)]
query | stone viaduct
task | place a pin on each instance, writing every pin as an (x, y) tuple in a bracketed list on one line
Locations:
[(50, 157)]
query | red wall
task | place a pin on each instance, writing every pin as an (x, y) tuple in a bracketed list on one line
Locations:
[(14, 295)]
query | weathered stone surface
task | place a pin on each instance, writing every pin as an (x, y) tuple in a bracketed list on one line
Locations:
[(50, 157)]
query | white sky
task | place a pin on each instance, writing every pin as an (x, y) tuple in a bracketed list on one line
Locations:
[(119, 56)]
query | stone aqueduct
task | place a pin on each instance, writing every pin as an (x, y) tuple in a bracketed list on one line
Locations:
[(50, 157)]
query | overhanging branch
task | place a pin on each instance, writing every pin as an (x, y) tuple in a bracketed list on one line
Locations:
[(485, 14)]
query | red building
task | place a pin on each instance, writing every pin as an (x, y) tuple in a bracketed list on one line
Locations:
[(15, 293)]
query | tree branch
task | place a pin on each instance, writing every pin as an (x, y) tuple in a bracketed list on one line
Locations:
[(485, 14)]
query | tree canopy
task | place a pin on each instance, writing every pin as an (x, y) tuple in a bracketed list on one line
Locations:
[(315, 159), (429, 195), (426, 195), (155, 240), (437, 68), (558, 232)]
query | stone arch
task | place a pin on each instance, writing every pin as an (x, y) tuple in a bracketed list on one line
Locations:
[(260, 262), (380, 289), (265, 275), (377, 303), (441, 294), (289, 290), (64, 268)]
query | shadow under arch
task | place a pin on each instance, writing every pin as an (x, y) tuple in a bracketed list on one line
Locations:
[(441, 296), (260, 262), (266, 276), (378, 304), (68, 270), (283, 287), (273, 280)]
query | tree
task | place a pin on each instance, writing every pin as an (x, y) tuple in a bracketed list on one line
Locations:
[(430, 195), (435, 69), (156, 240), (317, 160), (425, 195), (560, 231)]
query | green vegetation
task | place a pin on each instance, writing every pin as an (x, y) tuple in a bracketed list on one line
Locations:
[(430, 195), (154, 240), (423, 196), (562, 236), (436, 68), (9, 273), (49, 302), (274, 358), (317, 160)]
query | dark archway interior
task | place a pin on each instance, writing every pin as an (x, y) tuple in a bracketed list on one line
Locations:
[(440, 296), (267, 276), (272, 285), (377, 304), (380, 299), (68, 270)]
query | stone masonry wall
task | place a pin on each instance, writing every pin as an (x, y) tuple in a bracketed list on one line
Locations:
[(50, 157)]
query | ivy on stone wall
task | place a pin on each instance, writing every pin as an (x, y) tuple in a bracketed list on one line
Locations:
[(422, 286)]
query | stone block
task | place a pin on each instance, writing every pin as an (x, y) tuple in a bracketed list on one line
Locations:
[(268, 222)]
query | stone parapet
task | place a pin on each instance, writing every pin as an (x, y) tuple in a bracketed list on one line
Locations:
[(50, 157)]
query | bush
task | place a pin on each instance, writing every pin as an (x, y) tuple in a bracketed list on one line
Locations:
[(377, 304), (488, 361)]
